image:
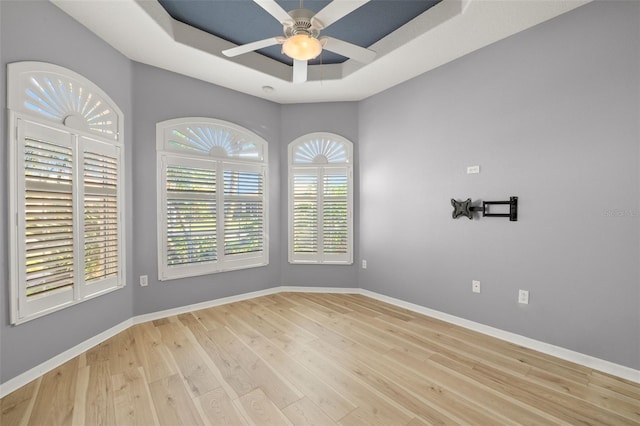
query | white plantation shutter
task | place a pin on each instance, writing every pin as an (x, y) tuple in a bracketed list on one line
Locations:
[(68, 233), (189, 220), (243, 212), (102, 237), (320, 200), (335, 212), (305, 213), (191, 215), (212, 198), (48, 211)]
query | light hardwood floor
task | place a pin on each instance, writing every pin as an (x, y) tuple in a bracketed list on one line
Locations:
[(316, 359)]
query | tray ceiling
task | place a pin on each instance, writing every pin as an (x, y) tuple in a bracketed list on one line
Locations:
[(144, 31)]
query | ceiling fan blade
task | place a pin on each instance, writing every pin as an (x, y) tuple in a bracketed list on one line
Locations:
[(334, 11), (299, 71), (250, 47), (274, 10), (349, 50)]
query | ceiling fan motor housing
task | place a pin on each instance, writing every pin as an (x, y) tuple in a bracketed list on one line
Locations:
[(301, 24)]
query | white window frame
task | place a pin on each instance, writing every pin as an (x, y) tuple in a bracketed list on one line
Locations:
[(218, 160), (320, 164), (73, 112)]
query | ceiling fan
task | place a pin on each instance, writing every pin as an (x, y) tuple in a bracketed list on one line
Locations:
[(301, 40)]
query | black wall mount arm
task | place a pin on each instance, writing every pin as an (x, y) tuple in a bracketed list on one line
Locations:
[(464, 208)]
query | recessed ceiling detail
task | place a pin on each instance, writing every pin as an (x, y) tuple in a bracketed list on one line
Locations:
[(242, 22), (144, 31)]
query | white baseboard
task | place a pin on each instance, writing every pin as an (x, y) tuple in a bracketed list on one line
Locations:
[(559, 352)]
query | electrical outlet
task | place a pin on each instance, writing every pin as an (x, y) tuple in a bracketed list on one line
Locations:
[(472, 170), (364, 264), (144, 280), (475, 286), (523, 297)]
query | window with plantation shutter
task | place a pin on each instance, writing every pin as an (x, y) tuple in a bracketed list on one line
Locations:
[(66, 196), (211, 198), (320, 199)]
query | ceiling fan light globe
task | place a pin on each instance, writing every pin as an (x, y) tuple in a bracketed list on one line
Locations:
[(302, 47)]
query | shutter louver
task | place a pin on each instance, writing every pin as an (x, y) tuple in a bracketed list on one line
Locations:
[(335, 229), (49, 239), (100, 217), (191, 215), (305, 213), (243, 212)]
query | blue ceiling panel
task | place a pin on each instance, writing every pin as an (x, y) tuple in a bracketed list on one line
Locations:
[(243, 21)]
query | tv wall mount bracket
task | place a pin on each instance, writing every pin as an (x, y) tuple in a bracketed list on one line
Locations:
[(464, 208)]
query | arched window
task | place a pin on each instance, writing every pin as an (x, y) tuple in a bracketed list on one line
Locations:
[(212, 196), (321, 199), (66, 189)]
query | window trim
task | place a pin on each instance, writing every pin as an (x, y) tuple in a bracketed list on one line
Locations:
[(167, 154), (81, 137), (319, 168)]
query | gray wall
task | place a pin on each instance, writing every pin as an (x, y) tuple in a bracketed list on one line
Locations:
[(40, 31), (161, 95), (298, 120), (551, 115)]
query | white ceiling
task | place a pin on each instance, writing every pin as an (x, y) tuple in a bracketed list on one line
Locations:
[(143, 31)]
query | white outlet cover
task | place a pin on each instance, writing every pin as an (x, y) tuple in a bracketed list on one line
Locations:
[(523, 297), (475, 286), (364, 264), (472, 170)]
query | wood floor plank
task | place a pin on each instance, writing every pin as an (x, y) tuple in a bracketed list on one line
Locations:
[(444, 342), (372, 405), (16, 408), (281, 392), (219, 409), (80, 400), (131, 399), (383, 308), (305, 413), (173, 403), (345, 327), (153, 355), (329, 400), (192, 366), (99, 408), (288, 328), (54, 401), (566, 406), (122, 354), (294, 358), (232, 372), (429, 400), (262, 410), (319, 330)]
